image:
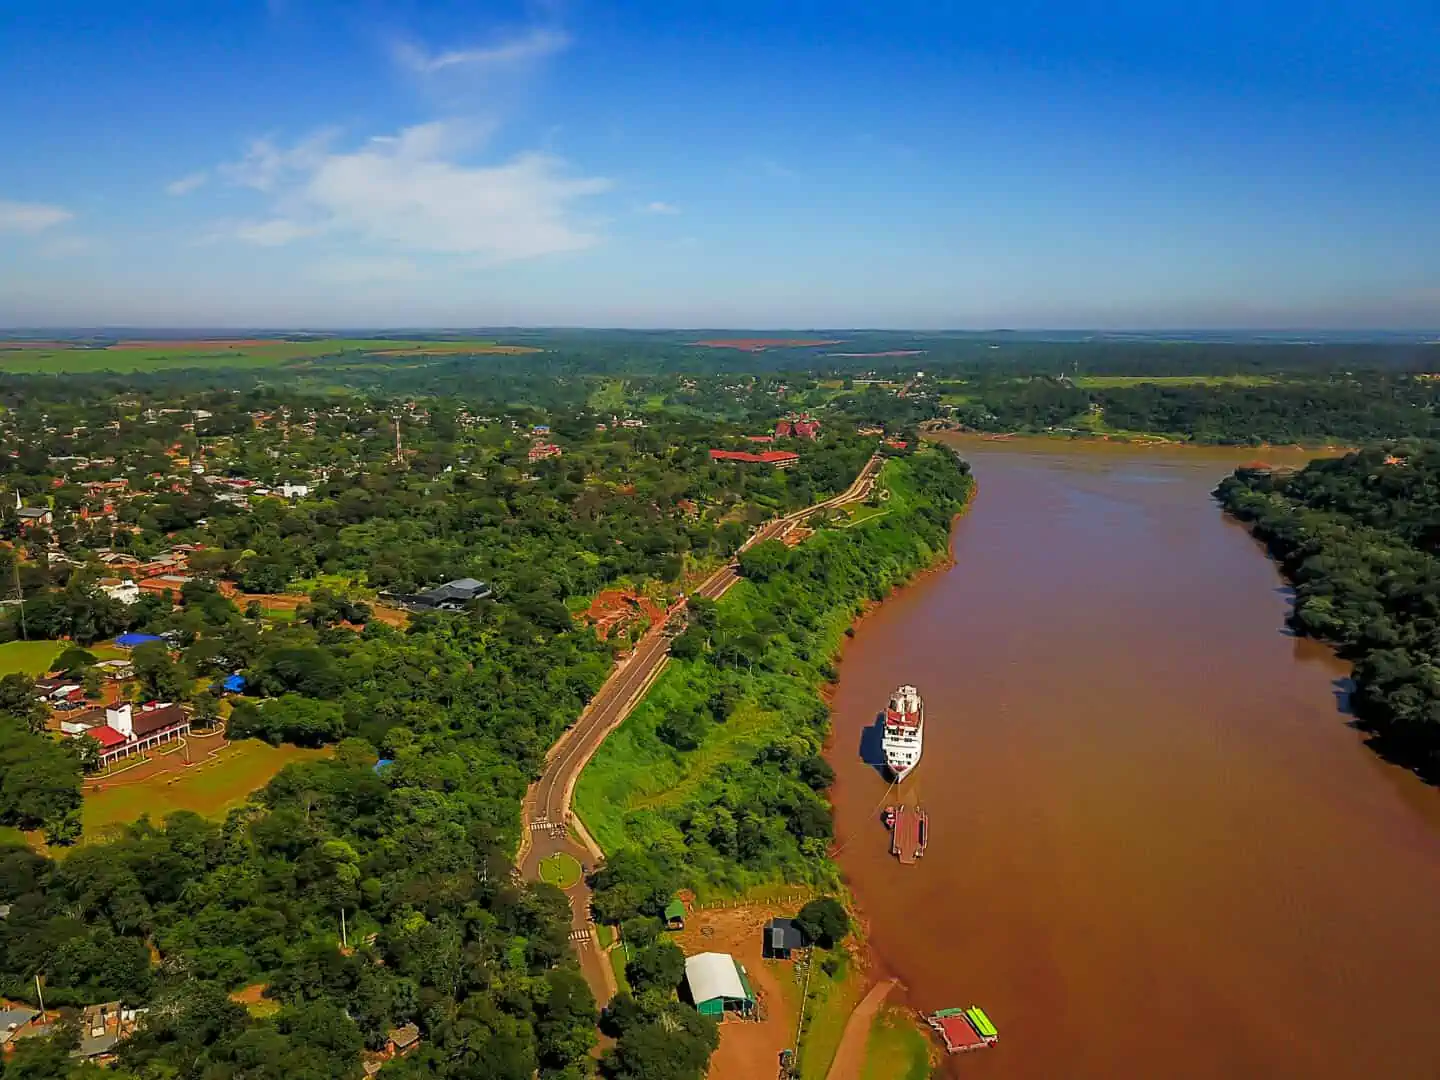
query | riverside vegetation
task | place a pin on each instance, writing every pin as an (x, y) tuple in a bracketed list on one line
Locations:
[(716, 781), (1359, 536)]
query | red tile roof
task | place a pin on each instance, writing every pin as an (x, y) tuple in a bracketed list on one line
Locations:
[(106, 736), (769, 457)]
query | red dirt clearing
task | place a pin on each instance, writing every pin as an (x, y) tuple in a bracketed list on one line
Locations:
[(748, 1048), (761, 344), (614, 609)]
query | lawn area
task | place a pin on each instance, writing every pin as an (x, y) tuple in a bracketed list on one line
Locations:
[(233, 353), (210, 788), (11, 835), (897, 1049), (634, 774), (830, 1003), (617, 965), (29, 657), (1101, 382), (609, 396), (859, 512), (560, 870)]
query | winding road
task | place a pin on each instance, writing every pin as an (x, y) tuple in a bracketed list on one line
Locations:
[(551, 826)]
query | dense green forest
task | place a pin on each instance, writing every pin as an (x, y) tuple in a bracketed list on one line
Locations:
[(1360, 538), (717, 780)]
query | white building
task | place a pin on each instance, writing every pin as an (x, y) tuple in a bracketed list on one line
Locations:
[(127, 592)]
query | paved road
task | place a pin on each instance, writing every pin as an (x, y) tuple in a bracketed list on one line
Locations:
[(551, 827)]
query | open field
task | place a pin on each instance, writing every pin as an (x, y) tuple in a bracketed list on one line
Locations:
[(210, 787), (1102, 382), (761, 344), (49, 357), (29, 657)]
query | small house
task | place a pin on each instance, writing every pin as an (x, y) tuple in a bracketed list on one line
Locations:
[(718, 984), (782, 938), (34, 516), (675, 914)]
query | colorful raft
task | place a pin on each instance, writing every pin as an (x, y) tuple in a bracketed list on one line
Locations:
[(964, 1029)]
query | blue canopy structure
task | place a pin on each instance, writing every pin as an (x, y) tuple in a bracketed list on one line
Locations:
[(129, 641), (233, 684), (381, 764)]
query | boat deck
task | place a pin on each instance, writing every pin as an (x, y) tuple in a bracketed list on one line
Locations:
[(911, 831)]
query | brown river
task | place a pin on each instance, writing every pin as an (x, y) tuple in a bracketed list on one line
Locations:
[(1157, 849)]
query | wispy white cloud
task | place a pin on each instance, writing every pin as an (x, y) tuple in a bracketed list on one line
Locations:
[(187, 184), (508, 54), (265, 165), (24, 217), (658, 207), (413, 192)]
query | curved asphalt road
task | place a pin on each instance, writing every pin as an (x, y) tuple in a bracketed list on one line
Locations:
[(550, 825)]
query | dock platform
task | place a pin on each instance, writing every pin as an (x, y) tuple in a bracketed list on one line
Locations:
[(910, 834), (963, 1029)]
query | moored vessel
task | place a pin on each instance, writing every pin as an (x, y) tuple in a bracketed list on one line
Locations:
[(903, 736)]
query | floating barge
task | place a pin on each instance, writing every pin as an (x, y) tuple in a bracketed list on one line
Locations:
[(964, 1029), (909, 832)]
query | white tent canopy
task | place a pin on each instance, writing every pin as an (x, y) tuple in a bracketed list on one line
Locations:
[(714, 975)]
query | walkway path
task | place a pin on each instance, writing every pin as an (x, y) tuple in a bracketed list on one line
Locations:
[(550, 825), (850, 1057)]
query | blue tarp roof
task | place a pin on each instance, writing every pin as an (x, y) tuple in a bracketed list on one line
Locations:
[(129, 641), (235, 684), (381, 764)]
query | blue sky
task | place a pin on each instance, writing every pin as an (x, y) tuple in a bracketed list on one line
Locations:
[(1021, 164)]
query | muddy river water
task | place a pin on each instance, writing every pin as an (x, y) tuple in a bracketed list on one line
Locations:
[(1157, 848)]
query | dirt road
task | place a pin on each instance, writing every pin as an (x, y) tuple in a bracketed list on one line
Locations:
[(551, 827)]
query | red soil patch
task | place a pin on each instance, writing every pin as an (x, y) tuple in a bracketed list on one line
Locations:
[(748, 1048), (761, 344), (289, 602), (614, 609)]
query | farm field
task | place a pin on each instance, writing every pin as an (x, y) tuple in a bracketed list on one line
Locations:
[(210, 787), (29, 657), (49, 357), (1102, 382)]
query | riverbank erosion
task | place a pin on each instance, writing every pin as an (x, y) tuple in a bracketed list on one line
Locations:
[(1154, 848)]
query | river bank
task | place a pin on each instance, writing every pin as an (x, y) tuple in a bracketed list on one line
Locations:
[(1145, 804)]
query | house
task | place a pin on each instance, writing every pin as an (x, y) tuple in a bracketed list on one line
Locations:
[(127, 592), (675, 914), (541, 451), (781, 938), (452, 596), (14, 1020), (718, 984), (102, 1026), (780, 459), (760, 438), (401, 1040), (124, 730), (295, 491), (34, 517)]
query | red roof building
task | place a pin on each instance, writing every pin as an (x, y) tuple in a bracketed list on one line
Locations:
[(541, 451), (781, 459)]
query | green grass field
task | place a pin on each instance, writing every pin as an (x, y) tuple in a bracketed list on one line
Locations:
[(560, 870), (154, 356), (1102, 382), (897, 1048), (29, 657), (830, 1004), (210, 789)]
